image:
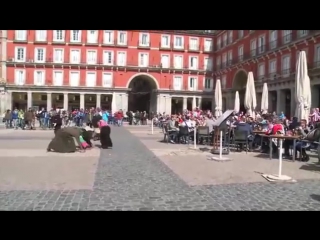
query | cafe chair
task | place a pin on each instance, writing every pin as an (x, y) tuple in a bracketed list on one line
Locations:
[(167, 134), (203, 132), (184, 133), (240, 137)]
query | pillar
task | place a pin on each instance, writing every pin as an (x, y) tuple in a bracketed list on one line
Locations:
[(281, 99), (49, 101), (293, 102), (9, 101), (81, 100), (98, 100), (65, 101), (200, 102), (194, 102), (29, 99), (185, 103)]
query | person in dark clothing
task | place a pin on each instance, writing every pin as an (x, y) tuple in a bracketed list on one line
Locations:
[(96, 130), (243, 126), (57, 122), (287, 143), (295, 123), (105, 139)]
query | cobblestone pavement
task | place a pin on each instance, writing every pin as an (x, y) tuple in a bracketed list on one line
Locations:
[(130, 177)]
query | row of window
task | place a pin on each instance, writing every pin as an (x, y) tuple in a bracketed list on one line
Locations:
[(112, 58), (39, 79), (227, 58), (109, 38), (227, 38)]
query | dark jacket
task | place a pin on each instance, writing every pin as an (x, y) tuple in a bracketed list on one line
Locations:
[(244, 127)]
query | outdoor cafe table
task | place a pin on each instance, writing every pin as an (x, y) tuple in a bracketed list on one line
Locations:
[(281, 138), (261, 134)]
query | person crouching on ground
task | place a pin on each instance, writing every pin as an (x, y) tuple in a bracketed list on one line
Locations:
[(105, 132)]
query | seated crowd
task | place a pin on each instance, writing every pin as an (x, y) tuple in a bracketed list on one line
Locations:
[(179, 128)]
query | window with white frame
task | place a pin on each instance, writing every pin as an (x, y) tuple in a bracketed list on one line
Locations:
[(194, 43), (75, 36), (192, 83), (253, 47), (75, 56), (107, 79), (91, 78), (317, 55), (58, 35), (57, 78), (108, 58), (165, 61), (122, 38), (230, 57), (74, 79), (39, 55), (193, 62), (208, 45), (261, 70), (39, 77), (165, 41), (240, 53), (273, 39), (177, 82), (224, 81), (273, 66), (286, 65), (208, 84), (303, 33), (143, 59), (286, 36), (144, 39), (58, 55), (219, 43), (224, 60), (178, 42), (91, 57), (240, 33), (230, 36), (218, 62), (92, 36), (41, 35), (20, 77), (21, 35), (108, 37), (178, 61), (224, 40), (121, 58), (207, 64), (20, 54), (261, 44)]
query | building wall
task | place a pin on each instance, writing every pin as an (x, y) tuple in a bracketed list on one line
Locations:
[(120, 76)]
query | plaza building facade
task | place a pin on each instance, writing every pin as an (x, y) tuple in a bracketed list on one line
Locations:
[(159, 71), (271, 55)]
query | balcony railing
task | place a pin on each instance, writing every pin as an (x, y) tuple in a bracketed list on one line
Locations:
[(142, 44), (193, 47)]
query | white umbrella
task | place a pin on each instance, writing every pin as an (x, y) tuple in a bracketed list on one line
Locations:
[(237, 103), (218, 99), (303, 90), (248, 97), (114, 104), (265, 99), (253, 95)]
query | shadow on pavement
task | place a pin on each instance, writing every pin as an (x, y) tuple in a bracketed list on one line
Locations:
[(314, 167), (315, 197)]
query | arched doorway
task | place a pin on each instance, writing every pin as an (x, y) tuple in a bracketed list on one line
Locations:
[(239, 84), (142, 96)]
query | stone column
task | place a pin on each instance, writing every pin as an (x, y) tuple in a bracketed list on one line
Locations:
[(98, 100), (168, 105), (81, 100), (49, 101), (185, 103), (281, 99), (199, 102), (29, 99), (9, 101), (194, 102), (65, 101)]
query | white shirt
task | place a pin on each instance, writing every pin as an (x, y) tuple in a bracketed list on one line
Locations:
[(187, 123)]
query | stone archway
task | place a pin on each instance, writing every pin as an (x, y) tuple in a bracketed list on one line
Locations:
[(239, 84), (142, 96)]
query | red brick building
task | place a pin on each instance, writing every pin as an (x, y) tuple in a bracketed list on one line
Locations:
[(161, 71), (271, 55)]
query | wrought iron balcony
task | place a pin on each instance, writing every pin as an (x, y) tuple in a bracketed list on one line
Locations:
[(194, 47)]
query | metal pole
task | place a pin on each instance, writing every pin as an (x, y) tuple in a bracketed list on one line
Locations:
[(195, 137), (152, 126), (220, 150)]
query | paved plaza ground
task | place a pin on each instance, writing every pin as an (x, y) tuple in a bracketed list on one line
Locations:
[(142, 173)]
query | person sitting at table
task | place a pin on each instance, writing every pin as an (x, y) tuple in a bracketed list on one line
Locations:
[(303, 131), (288, 142), (174, 131), (243, 126)]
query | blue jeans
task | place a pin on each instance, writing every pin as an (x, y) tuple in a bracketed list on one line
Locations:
[(119, 122), (15, 123)]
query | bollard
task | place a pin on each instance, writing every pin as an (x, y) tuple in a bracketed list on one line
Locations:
[(195, 137), (220, 150), (152, 126)]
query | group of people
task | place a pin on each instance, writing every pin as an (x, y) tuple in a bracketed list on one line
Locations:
[(69, 139)]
